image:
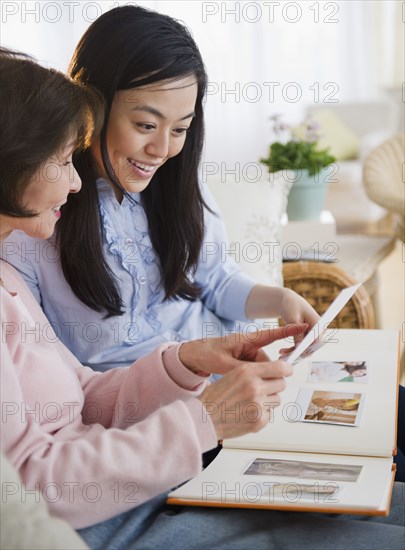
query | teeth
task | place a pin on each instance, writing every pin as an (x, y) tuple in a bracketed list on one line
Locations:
[(143, 167)]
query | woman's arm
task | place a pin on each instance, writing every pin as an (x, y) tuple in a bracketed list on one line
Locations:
[(232, 294), (266, 301), (224, 287), (122, 396), (89, 473)]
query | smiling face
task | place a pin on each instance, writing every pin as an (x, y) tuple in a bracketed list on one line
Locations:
[(146, 127), (46, 192)]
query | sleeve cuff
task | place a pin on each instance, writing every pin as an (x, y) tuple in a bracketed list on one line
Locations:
[(205, 428), (239, 288), (179, 373)]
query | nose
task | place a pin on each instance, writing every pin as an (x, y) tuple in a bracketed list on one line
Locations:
[(158, 146), (75, 181)]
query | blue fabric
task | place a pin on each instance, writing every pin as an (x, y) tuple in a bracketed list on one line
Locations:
[(148, 320), (400, 458), (156, 525)]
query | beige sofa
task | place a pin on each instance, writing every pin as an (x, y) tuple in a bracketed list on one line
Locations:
[(25, 520)]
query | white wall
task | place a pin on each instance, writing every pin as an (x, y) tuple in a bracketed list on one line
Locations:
[(262, 57)]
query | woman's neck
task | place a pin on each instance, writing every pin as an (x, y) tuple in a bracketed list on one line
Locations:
[(5, 228)]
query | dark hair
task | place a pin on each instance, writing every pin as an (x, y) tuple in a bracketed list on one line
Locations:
[(352, 368), (41, 110), (125, 48)]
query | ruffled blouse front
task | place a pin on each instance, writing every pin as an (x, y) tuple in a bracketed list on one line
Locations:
[(148, 319), (131, 257)]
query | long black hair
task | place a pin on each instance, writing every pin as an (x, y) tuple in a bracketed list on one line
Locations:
[(125, 48)]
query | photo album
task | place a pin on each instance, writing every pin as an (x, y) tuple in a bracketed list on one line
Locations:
[(329, 446)]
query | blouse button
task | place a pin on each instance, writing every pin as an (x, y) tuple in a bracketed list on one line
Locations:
[(142, 280), (129, 241)]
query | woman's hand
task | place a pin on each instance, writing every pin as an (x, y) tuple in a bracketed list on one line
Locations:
[(242, 401), (267, 301), (221, 355), (295, 309)]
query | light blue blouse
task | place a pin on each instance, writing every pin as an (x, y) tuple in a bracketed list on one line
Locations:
[(148, 320)]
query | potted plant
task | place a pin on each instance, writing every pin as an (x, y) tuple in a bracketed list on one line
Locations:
[(298, 155)]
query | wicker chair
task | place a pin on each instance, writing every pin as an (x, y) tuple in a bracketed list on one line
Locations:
[(320, 283), (384, 184), (382, 179)]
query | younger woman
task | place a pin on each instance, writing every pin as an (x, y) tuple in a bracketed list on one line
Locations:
[(136, 261)]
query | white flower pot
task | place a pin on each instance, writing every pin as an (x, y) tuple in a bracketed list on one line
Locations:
[(307, 195)]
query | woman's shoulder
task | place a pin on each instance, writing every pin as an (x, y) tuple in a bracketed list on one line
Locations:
[(31, 256), (10, 278), (17, 301), (29, 248)]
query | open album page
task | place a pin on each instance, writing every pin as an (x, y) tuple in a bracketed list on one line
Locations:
[(342, 399), (299, 481)]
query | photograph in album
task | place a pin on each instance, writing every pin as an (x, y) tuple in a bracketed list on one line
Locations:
[(338, 371), (303, 470), (331, 407)]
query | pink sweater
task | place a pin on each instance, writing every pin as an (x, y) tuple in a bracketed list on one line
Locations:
[(95, 444)]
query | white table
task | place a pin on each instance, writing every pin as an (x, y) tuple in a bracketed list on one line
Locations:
[(360, 256)]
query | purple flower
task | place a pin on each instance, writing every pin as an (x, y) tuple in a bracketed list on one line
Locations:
[(312, 126), (312, 130)]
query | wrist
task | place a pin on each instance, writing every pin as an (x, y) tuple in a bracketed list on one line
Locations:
[(285, 294), (189, 358), (265, 301)]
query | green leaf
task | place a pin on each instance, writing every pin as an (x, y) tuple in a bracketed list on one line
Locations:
[(295, 155)]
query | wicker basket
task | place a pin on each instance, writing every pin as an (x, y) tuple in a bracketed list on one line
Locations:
[(320, 283)]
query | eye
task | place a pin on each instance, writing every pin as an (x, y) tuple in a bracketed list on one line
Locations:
[(180, 131), (145, 126)]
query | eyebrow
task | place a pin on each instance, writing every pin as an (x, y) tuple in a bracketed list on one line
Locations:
[(157, 113)]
